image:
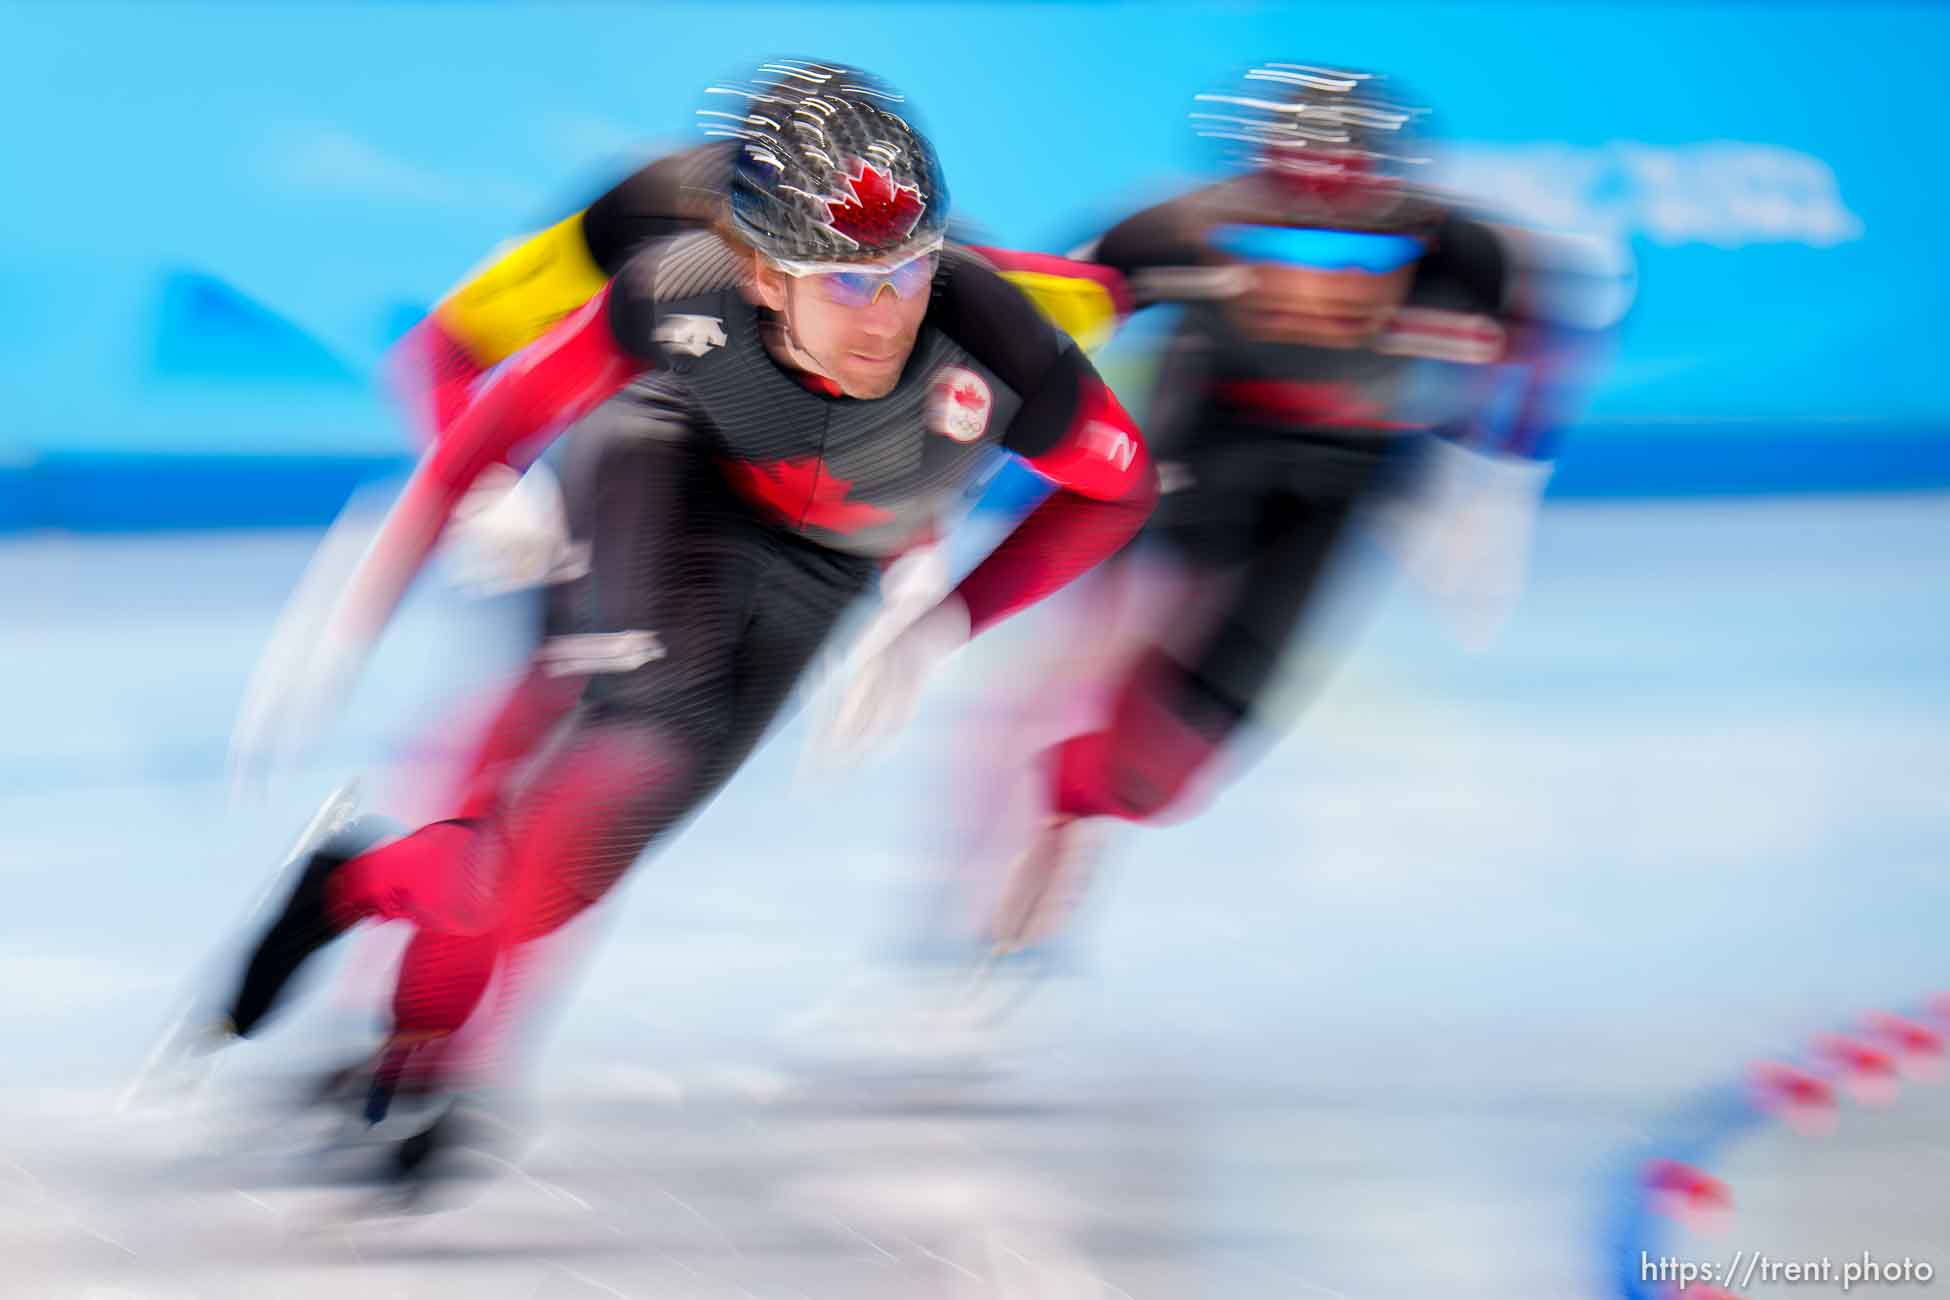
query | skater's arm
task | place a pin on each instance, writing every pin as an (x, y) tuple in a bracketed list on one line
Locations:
[(500, 308), (1558, 299), (1084, 300), (1106, 489), (547, 386), (432, 374), (1558, 366), (1159, 254), (530, 284), (1070, 428)]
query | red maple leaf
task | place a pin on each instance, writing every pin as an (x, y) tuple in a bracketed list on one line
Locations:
[(966, 395), (878, 212), (1331, 176), (804, 490)]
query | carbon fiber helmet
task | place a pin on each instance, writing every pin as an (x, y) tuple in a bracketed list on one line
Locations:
[(1327, 146), (829, 168)]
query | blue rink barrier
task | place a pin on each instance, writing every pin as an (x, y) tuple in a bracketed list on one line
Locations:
[(1736, 460), (112, 492)]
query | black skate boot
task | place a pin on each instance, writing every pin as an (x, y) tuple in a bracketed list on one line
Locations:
[(304, 926)]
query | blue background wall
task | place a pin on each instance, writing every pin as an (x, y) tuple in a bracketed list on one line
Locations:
[(220, 215)]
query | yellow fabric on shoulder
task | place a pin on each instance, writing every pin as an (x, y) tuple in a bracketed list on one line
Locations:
[(527, 286), (1081, 308)]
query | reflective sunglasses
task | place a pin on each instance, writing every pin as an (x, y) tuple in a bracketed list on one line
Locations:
[(845, 286), (1319, 249)]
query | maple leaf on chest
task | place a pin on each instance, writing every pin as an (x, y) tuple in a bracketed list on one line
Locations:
[(804, 490)]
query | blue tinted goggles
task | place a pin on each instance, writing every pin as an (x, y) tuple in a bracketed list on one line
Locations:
[(858, 288), (1319, 250)]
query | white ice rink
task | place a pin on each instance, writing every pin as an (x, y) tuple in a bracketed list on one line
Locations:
[(1401, 1017)]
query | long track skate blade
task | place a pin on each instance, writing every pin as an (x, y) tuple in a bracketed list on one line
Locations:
[(334, 815)]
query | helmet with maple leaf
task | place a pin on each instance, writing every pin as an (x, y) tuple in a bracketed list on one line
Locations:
[(830, 169), (1326, 146)]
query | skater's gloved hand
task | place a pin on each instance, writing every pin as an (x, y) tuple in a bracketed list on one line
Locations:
[(882, 679), (1469, 539), (509, 533), (909, 587)]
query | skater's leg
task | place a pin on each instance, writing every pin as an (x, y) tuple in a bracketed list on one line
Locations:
[(529, 712), (306, 924), (1173, 715), (620, 781), (636, 496), (442, 874), (738, 611), (547, 691), (1179, 704)]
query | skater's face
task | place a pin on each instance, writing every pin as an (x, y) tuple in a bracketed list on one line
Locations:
[(1329, 309), (856, 330), (1323, 286)]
